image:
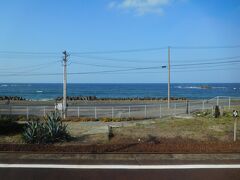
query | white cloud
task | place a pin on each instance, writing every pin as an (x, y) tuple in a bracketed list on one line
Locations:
[(141, 7)]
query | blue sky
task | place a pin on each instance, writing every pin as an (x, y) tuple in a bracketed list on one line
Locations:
[(106, 25)]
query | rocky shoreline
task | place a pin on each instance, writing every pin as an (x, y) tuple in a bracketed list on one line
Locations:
[(92, 98), (12, 98)]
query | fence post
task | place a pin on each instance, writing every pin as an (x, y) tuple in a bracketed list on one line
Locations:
[(229, 103), (129, 111), (175, 107), (78, 112), (145, 111), (217, 100), (112, 112), (203, 105), (95, 113), (189, 108), (44, 111), (27, 113), (160, 111)]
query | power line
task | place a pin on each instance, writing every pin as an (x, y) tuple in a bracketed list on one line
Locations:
[(115, 59), (208, 66), (206, 47), (176, 66), (208, 63), (91, 72), (156, 49), (185, 65), (182, 71), (29, 67), (29, 53), (209, 59), (157, 61), (120, 51), (117, 71), (181, 66), (99, 65)]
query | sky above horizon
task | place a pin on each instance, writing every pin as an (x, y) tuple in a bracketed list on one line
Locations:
[(203, 36)]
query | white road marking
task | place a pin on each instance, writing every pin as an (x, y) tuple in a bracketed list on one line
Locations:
[(63, 166)]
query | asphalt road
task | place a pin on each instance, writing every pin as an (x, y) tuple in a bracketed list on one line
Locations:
[(25, 166), (118, 174)]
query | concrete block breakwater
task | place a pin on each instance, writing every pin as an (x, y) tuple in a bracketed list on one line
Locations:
[(15, 98), (93, 98)]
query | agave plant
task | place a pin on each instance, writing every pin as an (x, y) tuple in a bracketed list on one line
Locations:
[(50, 131), (55, 129), (34, 132)]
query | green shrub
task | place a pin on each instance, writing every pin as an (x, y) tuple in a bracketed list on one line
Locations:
[(19, 117), (50, 131), (10, 127)]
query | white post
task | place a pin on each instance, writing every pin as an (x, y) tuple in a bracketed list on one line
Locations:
[(78, 112), (27, 112), (44, 111), (145, 111), (235, 130), (229, 103), (95, 113), (217, 100), (129, 111), (112, 112), (203, 105), (160, 111)]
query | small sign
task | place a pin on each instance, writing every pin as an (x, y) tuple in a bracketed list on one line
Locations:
[(235, 113)]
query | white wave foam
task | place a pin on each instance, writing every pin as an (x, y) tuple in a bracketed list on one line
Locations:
[(39, 91)]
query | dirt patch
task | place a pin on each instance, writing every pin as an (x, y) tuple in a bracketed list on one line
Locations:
[(174, 145)]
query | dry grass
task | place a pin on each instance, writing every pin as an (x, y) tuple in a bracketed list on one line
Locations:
[(197, 128)]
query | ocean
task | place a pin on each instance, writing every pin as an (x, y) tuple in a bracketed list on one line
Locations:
[(46, 91)]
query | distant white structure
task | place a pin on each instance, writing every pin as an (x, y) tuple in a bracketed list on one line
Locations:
[(59, 106)]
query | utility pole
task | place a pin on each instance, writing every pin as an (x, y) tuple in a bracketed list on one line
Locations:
[(64, 106), (169, 78)]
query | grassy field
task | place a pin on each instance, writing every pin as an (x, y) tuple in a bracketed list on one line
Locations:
[(202, 126), (199, 127)]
